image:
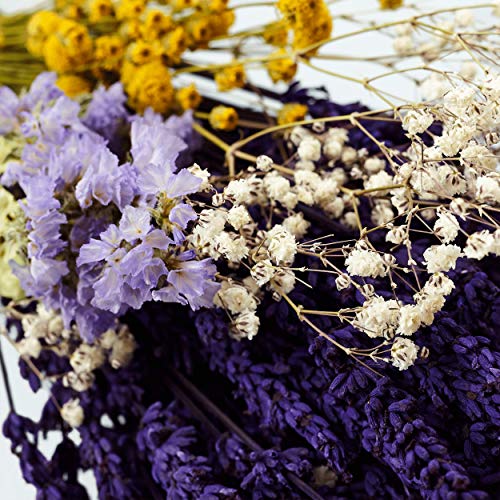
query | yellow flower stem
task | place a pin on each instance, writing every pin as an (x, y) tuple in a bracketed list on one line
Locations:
[(240, 154)]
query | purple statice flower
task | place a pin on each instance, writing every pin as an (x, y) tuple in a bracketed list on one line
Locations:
[(9, 104), (106, 111), (42, 91)]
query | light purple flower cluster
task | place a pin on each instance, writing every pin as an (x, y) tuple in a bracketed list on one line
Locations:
[(104, 236)]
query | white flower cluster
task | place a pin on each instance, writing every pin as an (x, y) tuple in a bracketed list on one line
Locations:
[(45, 330), (390, 319)]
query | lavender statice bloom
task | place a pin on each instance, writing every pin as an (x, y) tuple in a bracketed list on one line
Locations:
[(9, 103), (106, 112)]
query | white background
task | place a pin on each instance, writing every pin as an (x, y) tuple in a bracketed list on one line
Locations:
[(12, 485)]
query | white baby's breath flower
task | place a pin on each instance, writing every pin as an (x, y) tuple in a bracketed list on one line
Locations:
[(441, 257), (488, 188), (263, 272), (403, 353), (479, 244), (382, 213), (379, 180), (332, 148), (72, 413), (233, 247), (283, 282), (342, 281), (396, 235), (365, 263), (87, 358), (309, 149), (446, 227), (374, 165), (409, 320), (246, 325), (238, 191), (296, 225), (281, 245), (378, 317), (235, 298), (29, 346), (264, 163), (417, 121), (238, 216), (203, 174), (276, 186)]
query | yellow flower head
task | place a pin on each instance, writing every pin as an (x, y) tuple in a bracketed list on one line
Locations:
[(182, 4), (56, 55), (390, 4), (131, 29), (232, 77), (156, 25), (76, 39), (276, 33), (282, 69), (199, 31), (221, 22), (310, 21), (223, 118), (39, 27), (73, 85), (73, 12), (142, 52), (188, 97), (291, 113), (151, 86), (213, 5), (130, 9), (109, 50), (174, 44), (100, 9), (42, 24)]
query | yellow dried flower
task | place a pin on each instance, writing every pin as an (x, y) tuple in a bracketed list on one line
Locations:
[(182, 4), (291, 113), (40, 25), (221, 22), (56, 55), (231, 77), (276, 33), (174, 44), (223, 118), (282, 69), (199, 31), (390, 4), (76, 39), (130, 9), (100, 9), (73, 12), (151, 86), (213, 5), (188, 97), (156, 25), (307, 33), (131, 29), (109, 50), (73, 85), (142, 52)]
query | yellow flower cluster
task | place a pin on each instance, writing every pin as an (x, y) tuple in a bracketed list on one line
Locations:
[(223, 118), (291, 113), (135, 41), (232, 77), (188, 97), (282, 68), (390, 4), (11, 231), (309, 20)]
